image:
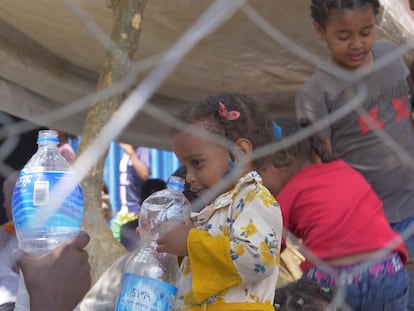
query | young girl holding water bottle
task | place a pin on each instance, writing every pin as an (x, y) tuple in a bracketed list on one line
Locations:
[(232, 247)]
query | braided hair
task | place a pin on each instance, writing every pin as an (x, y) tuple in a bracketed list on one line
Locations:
[(320, 9), (253, 123), (304, 148), (302, 295), (318, 144)]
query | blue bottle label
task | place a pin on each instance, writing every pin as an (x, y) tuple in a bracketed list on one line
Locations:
[(35, 192), (146, 294)]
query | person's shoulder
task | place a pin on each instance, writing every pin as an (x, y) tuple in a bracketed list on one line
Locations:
[(142, 150), (313, 89), (382, 47), (395, 65), (384, 43), (316, 82), (318, 76)]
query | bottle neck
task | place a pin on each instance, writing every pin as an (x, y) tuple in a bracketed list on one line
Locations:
[(47, 145), (176, 184), (175, 188), (147, 250), (149, 243)]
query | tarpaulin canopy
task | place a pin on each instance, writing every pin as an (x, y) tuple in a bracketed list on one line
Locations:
[(51, 56)]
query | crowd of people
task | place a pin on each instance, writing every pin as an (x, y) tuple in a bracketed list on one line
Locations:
[(341, 191)]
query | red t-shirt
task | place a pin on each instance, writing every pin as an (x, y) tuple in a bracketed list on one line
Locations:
[(335, 211)]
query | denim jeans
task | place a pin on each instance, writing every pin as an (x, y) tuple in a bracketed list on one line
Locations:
[(383, 286), (409, 243)]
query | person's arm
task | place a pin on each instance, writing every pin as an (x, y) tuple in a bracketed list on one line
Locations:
[(140, 167), (59, 279), (174, 241), (104, 293), (310, 107)]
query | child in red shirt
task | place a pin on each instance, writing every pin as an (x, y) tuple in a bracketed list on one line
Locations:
[(333, 209)]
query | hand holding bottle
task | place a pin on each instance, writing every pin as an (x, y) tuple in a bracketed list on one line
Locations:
[(175, 240), (149, 281), (59, 279), (47, 204)]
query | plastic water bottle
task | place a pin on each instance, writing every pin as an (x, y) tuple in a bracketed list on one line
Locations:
[(150, 277), (44, 216)]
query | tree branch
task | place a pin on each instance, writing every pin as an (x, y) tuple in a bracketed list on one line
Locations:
[(127, 14)]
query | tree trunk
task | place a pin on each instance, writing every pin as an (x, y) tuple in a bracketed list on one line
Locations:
[(103, 248)]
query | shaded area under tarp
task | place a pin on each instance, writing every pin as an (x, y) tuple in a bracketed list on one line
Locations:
[(49, 58)]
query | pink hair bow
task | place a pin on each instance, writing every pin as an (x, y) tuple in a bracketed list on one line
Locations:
[(229, 115)]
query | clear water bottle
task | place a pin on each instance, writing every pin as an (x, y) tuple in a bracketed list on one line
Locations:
[(47, 204), (150, 277)]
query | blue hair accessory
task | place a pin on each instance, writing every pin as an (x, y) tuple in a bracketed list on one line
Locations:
[(277, 131)]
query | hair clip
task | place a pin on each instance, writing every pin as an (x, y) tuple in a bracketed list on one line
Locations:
[(229, 115), (325, 289), (277, 131)]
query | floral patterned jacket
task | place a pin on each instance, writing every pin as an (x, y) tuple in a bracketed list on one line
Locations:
[(234, 251)]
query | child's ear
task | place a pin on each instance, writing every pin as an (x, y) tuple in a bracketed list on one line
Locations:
[(320, 30), (243, 150)]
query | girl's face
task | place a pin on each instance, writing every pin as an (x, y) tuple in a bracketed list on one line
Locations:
[(206, 162), (349, 35)]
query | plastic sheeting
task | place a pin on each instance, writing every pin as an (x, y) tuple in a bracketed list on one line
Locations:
[(49, 57)]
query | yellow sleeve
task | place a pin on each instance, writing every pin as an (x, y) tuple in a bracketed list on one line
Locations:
[(213, 269)]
